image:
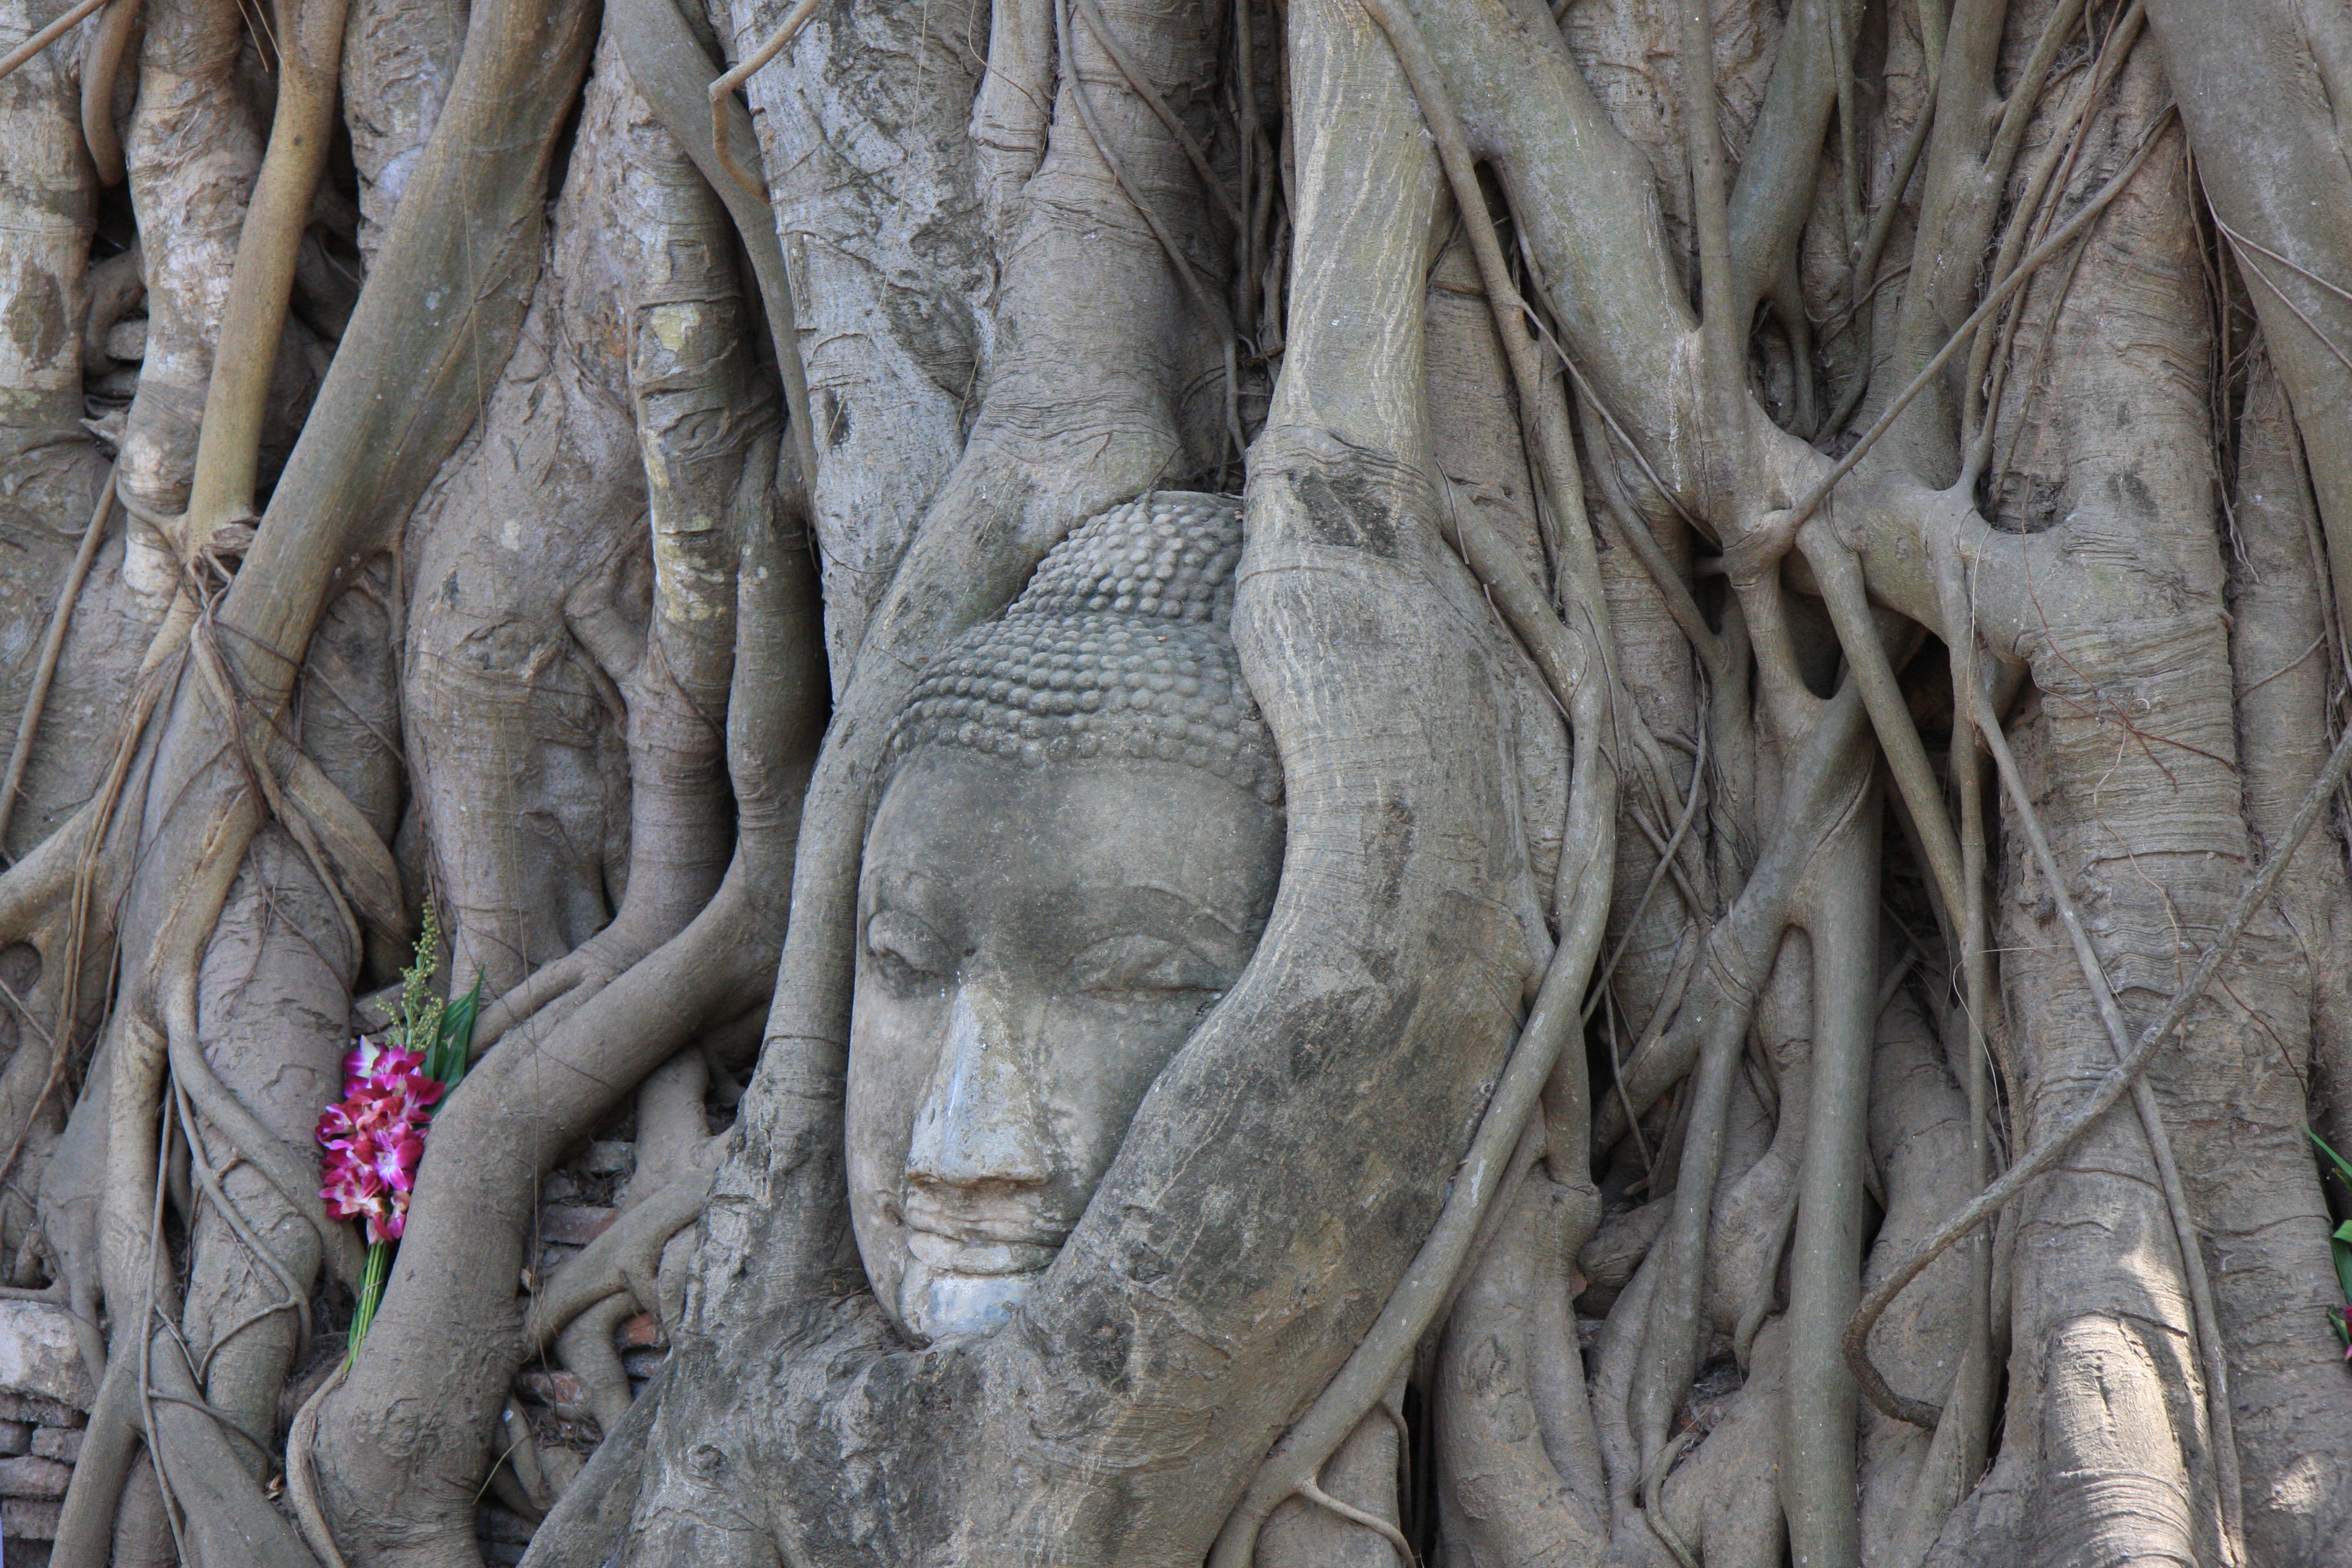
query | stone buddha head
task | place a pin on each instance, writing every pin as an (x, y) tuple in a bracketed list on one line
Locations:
[(1075, 849)]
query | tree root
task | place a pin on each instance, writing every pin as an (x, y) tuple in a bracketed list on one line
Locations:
[(65, 23), (584, 1346), (583, 1528), (1576, 678), (2118, 1081), (301, 1482), (1818, 1466), (101, 63), (53, 642), (625, 1260), (671, 71)]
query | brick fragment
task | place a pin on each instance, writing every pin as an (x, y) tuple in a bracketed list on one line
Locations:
[(21, 1519), (33, 1476), (39, 1412), (640, 1332)]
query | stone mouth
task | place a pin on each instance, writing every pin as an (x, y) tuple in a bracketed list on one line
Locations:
[(1016, 1224), (955, 1255), (972, 1257)]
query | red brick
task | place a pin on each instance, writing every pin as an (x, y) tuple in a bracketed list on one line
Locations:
[(559, 1391)]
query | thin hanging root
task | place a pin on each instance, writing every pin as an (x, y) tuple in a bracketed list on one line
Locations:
[(48, 35), (53, 642), (2057, 160), (1212, 309), (533, 1002), (1545, 434), (1657, 874), (1313, 1492), (1736, 952), (2113, 1087), (1671, 1335), (85, 836), (1723, 325), (1551, 446), (721, 88), (289, 1170), (101, 63), (1099, 25), (261, 283), (671, 71), (1839, 572), (1654, 1481), (297, 1300)]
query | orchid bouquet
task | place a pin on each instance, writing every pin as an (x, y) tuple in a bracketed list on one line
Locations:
[(2341, 1244), (374, 1136)]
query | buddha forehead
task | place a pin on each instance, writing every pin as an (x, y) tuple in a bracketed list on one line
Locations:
[(975, 839)]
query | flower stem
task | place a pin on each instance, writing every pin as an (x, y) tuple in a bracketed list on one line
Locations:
[(379, 1264)]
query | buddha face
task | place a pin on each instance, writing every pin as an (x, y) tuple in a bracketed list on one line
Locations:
[(1035, 944)]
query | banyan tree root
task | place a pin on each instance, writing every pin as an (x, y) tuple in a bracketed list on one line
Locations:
[(1089, 302)]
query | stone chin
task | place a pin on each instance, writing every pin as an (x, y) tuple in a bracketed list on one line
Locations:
[(944, 1303), (953, 1287)]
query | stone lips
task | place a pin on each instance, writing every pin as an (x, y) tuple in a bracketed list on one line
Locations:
[(1120, 646)]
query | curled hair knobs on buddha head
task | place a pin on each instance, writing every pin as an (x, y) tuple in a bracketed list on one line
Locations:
[(1120, 646)]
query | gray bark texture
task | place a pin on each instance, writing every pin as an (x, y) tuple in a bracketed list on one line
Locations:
[(1788, 639)]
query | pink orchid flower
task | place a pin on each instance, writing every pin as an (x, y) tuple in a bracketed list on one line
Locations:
[(375, 1137)]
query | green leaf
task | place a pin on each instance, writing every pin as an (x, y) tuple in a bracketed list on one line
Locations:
[(2342, 1167), (379, 1266), (447, 1062), (2342, 1246)]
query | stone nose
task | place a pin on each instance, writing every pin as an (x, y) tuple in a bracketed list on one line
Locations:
[(982, 1122)]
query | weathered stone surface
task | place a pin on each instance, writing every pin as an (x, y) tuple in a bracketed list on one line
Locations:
[(21, 1519), (609, 1158), (15, 1437), (32, 1477), (61, 1443), (39, 1412), (40, 1356)]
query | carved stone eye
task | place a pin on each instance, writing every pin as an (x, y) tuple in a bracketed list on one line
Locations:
[(1131, 966), (905, 944)]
